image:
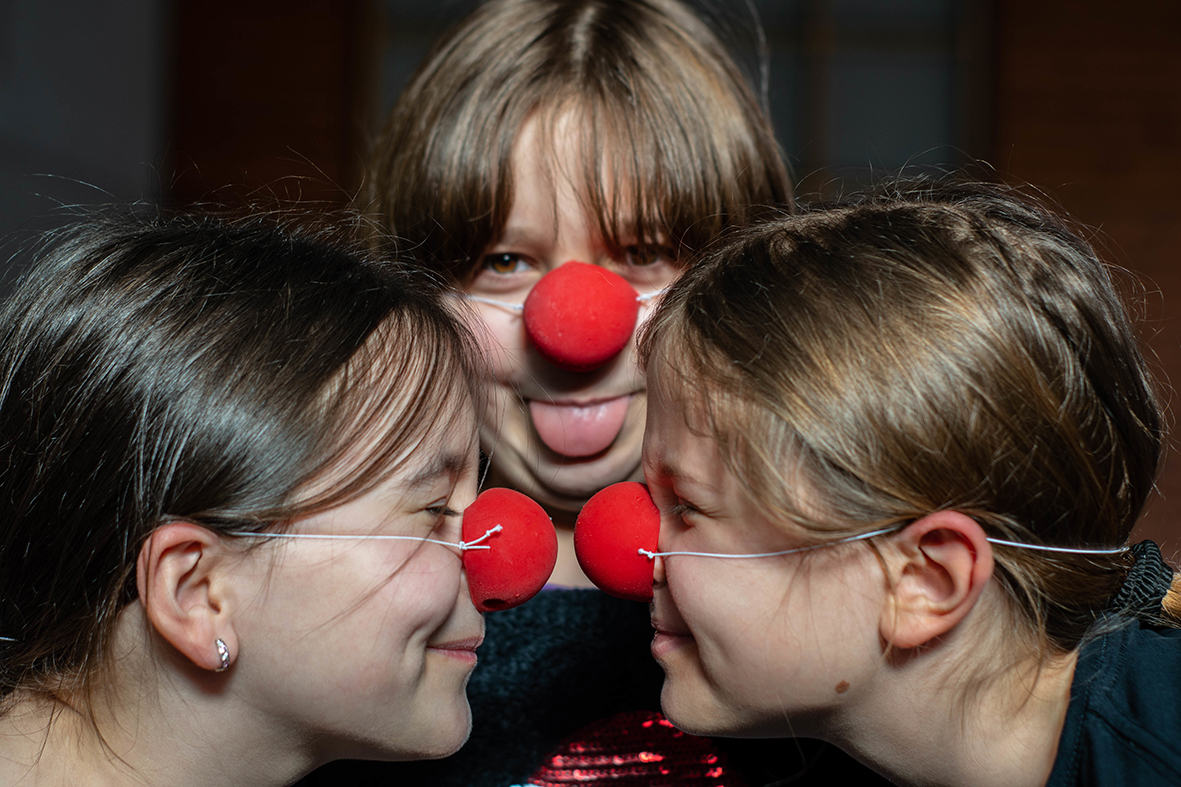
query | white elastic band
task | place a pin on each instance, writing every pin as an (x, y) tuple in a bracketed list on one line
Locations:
[(516, 307), (882, 532), (1068, 550), (862, 537), (462, 546)]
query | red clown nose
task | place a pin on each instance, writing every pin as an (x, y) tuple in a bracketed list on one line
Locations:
[(611, 529), (580, 316), (521, 555)]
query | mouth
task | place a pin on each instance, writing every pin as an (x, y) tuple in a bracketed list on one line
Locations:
[(461, 649), (668, 638), (579, 429)]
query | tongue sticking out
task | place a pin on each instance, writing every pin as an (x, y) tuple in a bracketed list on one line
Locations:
[(579, 430)]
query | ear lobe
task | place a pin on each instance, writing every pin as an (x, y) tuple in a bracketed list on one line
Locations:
[(182, 591), (942, 564)]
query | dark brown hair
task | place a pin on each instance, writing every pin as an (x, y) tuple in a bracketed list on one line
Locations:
[(927, 347), (674, 146), (159, 369)]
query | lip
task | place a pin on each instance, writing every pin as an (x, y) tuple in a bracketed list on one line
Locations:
[(577, 402), (668, 639), (460, 649)]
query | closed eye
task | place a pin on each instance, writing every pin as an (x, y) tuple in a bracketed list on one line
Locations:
[(686, 511)]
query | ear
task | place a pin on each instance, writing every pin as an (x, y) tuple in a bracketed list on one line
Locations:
[(941, 565), (182, 588)]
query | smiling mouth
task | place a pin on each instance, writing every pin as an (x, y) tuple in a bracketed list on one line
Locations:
[(668, 638), (462, 649), (669, 631)]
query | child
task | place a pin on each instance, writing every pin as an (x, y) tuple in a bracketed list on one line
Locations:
[(611, 132), (538, 134), (174, 395), (941, 388)]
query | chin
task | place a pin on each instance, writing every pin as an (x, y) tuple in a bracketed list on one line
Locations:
[(450, 737), (697, 712), (686, 712), (577, 479)]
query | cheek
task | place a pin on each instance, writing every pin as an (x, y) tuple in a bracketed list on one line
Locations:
[(747, 623), (428, 589), (500, 335)]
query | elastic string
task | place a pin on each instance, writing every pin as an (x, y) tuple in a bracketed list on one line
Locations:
[(462, 546), (516, 307), (882, 532), (862, 537), (1066, 550)]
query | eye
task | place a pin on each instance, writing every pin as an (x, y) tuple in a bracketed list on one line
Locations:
[(442, 510), (642, 255), (505, 264)]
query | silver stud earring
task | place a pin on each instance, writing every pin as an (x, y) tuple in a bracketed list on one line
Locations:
[(223, 653)]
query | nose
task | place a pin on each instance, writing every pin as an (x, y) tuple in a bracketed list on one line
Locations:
[(516, 548), (658, 571), (611, 529), (580, 316)]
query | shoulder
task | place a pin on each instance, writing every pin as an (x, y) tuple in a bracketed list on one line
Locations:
[(1123, 725)]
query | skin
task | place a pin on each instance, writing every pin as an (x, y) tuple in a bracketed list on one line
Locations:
[(882, 657), (373, 625), (746, 645), (547, 227), (344, 648)]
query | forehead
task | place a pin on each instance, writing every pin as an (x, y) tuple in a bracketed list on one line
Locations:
[(560, 148), (679, 418)]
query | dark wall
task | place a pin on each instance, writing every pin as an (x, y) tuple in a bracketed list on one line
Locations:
[(270, 100), (82, 91), (1088, 108)]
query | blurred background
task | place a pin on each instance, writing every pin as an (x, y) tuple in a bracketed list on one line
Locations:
[(178, 101)]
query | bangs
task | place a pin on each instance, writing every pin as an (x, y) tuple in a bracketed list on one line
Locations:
[(774, 465), (766, 381), (671, 144), (409, 381)]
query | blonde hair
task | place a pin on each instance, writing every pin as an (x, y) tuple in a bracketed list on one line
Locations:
[(934, 346), (673, 145)]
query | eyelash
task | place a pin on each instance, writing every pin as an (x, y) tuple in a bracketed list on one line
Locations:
[(642, 255), (518, 262), (683, 509)]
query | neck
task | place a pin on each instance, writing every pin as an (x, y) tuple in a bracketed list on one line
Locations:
[(164, 729), (932, 726)]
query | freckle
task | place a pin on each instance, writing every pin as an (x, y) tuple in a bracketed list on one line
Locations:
[(842, 687)]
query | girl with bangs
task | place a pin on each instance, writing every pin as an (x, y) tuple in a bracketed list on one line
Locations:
[(560, 146), (232, 467), (897, 446)]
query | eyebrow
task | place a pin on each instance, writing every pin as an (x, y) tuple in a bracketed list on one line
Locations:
[(522, 235), (448, 464), (667, 469)]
